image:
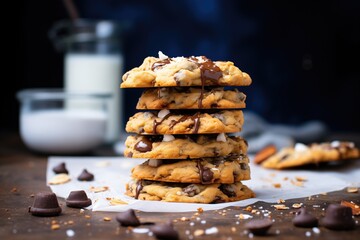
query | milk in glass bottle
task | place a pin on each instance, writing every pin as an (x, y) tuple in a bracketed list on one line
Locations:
[(93, 63)]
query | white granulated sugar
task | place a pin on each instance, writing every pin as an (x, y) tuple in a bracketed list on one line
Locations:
[(70, 233), (316, 230), (308, 234), (140, 230), (191, 223), (251, 235), (212, 230), (187, 232), (203, 222)]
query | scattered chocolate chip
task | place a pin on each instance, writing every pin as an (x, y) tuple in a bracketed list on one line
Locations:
[(45, 205), (86, 176), (61, 168), (304, 219), (165, 231), (259, 226), (78, 199), (338, 217), (128, 218)]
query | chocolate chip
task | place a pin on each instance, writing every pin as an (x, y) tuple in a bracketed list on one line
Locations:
[(165, 231), (86, 176), (243, 166), (228, 190), (304, 219), (191, 190), (78, 199), (128, 218), (61, 168), (207, 175), (259, 226), (45, 205), (338, 217), (144, 145), (218, 200)]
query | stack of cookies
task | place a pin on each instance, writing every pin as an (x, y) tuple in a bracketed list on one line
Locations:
[(185, 129)]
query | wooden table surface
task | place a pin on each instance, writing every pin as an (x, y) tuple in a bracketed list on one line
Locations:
[(22, 174)]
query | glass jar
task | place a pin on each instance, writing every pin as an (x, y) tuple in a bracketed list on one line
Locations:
[(62, 122), (93, 62)]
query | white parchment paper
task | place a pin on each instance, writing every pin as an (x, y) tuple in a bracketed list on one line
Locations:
[(114, 173)]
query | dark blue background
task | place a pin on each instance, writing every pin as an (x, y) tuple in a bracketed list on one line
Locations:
[(303, 56)]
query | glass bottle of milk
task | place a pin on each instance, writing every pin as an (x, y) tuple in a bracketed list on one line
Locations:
[(93, 62)]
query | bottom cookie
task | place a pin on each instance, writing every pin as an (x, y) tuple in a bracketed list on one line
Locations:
[(188, 193)]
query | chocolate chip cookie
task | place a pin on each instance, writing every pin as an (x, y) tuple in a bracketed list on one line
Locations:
[(170, 122), (183, 146), (316, 153), (203, 170), (184, 71), (188, 193), (191, 98)]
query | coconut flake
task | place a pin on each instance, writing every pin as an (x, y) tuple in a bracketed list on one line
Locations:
[(162, 113), (221, 137), (154, 162), (162, 56), (168, 138), (300, 147)]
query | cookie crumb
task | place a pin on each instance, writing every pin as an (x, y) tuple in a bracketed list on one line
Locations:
[(248, 209), (117, 201), (280, 201), (87, 216), (301, 179), (297, 183), (297, 205), (277, 185), (14, 190), (233, 229), (352, 189), (354, 207), (198, 232), (183, 219), (280, 207), (55, 226), (59, 179), (107, 219), (99, 189), (200, 210)]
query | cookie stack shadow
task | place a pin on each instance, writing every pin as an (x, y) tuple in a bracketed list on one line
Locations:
[(187, 126)]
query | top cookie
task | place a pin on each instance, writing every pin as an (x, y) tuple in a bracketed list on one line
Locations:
[(182, 71)]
